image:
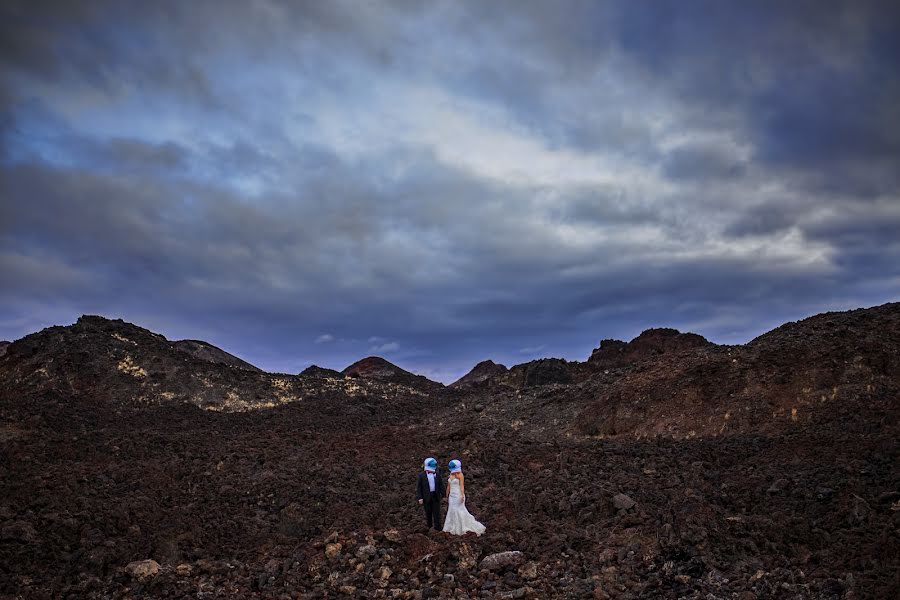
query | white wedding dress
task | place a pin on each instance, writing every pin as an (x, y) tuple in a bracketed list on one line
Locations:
[(458, 520)]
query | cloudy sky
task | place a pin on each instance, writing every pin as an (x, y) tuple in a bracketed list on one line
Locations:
[(443, 182)]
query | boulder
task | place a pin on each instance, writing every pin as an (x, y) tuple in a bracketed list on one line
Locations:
[(142, 569), (623, 502), (332, 550), (495, 562)]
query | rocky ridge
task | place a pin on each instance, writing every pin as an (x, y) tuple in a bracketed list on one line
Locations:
[(208, 352), (651, 343)]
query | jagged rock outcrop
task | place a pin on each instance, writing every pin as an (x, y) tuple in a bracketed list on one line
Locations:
[(649, 344), (544, 371), (481, 374), (379, 369), (317, 371), (208, 352), (3, 347)]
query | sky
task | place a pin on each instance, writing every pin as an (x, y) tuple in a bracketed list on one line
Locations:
[(443, 182)]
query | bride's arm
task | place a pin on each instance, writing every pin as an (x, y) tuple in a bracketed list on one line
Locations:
[(462, 487)]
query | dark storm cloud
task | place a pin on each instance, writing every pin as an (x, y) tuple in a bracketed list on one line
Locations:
[(445, 182)]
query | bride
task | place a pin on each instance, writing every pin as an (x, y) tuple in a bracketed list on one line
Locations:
[(458, 520)]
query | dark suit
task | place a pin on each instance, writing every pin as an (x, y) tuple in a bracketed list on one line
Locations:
[(431, 501)]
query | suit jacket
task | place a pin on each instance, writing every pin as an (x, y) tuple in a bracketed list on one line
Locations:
[(422, 490)]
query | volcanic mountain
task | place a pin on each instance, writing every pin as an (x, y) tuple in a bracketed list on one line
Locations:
[(3, 347), (379, 369), (665, 467)]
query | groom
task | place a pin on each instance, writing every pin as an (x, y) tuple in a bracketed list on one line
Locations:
[(429, 491)]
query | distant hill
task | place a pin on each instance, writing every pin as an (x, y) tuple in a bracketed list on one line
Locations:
[(612, 354), (120, 364), (480, 374), (208, 352), (317, 371), (379, 369)]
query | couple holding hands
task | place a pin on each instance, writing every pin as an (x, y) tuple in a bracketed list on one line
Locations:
[(430, 490)]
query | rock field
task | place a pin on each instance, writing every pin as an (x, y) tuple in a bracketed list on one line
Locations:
[(666, 467)]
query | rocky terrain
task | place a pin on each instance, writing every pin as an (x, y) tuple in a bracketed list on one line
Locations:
[(664, 467)]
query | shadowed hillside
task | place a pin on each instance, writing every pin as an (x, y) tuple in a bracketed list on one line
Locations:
[(210, 353)]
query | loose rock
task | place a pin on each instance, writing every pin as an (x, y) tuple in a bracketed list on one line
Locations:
[(142, 569), (332, 550), (623, 502), (495, 562)]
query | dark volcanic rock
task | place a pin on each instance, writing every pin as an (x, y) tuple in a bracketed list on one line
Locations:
[(544, 371), (480, 374), (377, 368), (210, 353), (651, 343), (622, 502), (3, 347), (317, 371), (779, 379), (500, 560), (142, 569)]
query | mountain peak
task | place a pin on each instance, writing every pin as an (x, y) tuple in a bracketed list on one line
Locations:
[(480, 373), (376, 367)]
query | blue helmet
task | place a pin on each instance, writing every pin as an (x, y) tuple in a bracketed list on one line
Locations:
[(430, 463), (455, 466)]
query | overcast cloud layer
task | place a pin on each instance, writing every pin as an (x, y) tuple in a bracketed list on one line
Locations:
[(444, 182)]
